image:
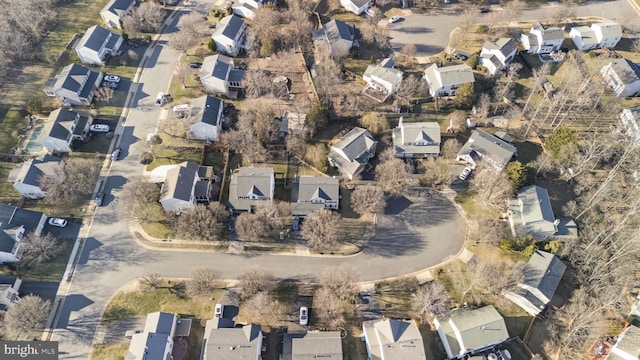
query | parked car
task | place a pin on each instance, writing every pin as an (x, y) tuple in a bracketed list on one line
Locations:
[(465, 173), (394, 19), (112, 78), (242, 66), (484, 10), (57, 222), (115, 155), (304, 316), (99, 197), (102, 128), (160, 99), (218, 311), (296, 223), (212, 26), (195, 65), (132, 43), (111, 85)]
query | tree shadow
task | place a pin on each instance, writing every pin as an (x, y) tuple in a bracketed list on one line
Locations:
[(396, 205), (72, 303)]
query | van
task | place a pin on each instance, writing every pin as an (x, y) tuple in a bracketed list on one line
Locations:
[(160, 99), (219, 311)]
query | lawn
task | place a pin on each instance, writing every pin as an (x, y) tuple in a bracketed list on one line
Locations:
[(110, 351), (395, 297), (168, 154), (466, 201), (10, 120), (49, 271), (111, 110), (8, 194)]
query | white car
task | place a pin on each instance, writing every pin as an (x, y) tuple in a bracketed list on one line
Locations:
[(103, 128), (57, 222), (219, 310), (304, 316), (394, 19), (111, 78), (465, 173)]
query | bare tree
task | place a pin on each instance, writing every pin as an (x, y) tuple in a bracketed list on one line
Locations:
[(74, 183), (492, 189), (322, 229), (497, 277), (436, 172), (138, 198), (409, 51), (467, 19), (316, 155), (342, 280), (483, 107), (38, 249), (450, 149), (104, 94), (202, 222), (150, 281), (368, 199), (512, 10), (430, 300), (392, 174), (410, 87), (328, 74), (256, 280), (25, 320), (258, 83), (375, 122), (148, 17), (203, 282), (328, 308), (262, 308), (458, 121), (251, 226)]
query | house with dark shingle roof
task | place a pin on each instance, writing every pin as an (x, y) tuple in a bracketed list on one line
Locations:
[(185, 185), (356, 6), (466, 332), (26, 177), (487, 148), (14, 224), (497, 56), (250, 188), (416, 140), (351, 154), (542, 40), (542, 275), (313, 193), (75, 85), (9, 291), (205, 117), (338, 36), (63, 127), (115, 11), (219, 77), (230, 35), (444, 81), (312, 345), (623, 76), (391, 339), (156, 341), (96, 43)]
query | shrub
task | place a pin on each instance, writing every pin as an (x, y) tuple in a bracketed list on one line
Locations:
[(482, 29), (212, 45)]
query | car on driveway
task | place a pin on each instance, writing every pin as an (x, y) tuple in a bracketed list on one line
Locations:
[(218, 311), (115, 155), (99, 197), (465, 173), (394, 19), (109, 84), (112, 78), (57, 222), (304, 316), (102, 128), (195, 65)]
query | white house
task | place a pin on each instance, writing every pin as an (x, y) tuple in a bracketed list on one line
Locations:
[(446, 80), (497, 56), (390, 339), (219, 77), (185, 185), (96, 43), (230, 35), (14, 224), (466, 332), (75, 85), (623, 76), (382, 80), (584, 38), (247, 8), (542, 40), (205, 116), (488, 148), (26, 177), (250, 188), (351, 154), (626, 346), (313, 193), (356, 6), (62, 128), (115, 11), (9, 291), (608, 34), (630, 118), (416, 140), (156, 341)]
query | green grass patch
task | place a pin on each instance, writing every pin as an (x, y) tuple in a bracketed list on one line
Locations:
[(76, 210), (8, 194), (10, 120), (466, 201), (95, 147), (158, 230), (112, 109), (395, 297), (169, 155), (268, 248), (110, 351), (49, 271)]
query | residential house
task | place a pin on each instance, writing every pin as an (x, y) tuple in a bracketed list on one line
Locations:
[(219, 77), (623, 76), (608, 34), (14, 224), (584, 38), (312, 345), (224, 340), (205, 116), (382, 80), (390, 339), (96, 43), (156, 341), (356, 6), (444, 81), (531, 213), (497, 56), (338, 36), (186, 185), (115, 11), (230, 35), (351, 154), (250, 188), (630, 118), (27, 177), (542, 40), (75, 85), (9, 288), (62, 128), (292, 122), (627, 346), (542, 275), (488, 148), (313, 193), (466, 332), (416, 140), (247, 8)]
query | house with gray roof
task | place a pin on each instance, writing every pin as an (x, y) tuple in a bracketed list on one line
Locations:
[(115, 11), (583, 38), (531, 213), (487, 148), (219, 77), (251, 188), (390, 339), (312, 345), (96, 43), (9, 291), (351, 154), (186, 185), (542, 275), (313, 193), (230, 35), (205, 117), (356, 6), (27, 177), (75, 85), (444, 81), (14, 224), (63, 127), (467, 332), (627, 346), (542, 40), (382, 80), (247, 8), (338, 36), (623, 76), (156, 341), (608, 33), (416, 140), (497, 56), (232, 343), (630, 118)]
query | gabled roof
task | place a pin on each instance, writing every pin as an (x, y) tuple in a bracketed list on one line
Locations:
[(179, 182), (253, 180), (406, 135), (340, 36), (31, 171), (608, 29), (548, 33), (476, 328), (543, 272), (73, 78), (118, 7), (356, 144), (306, 188), (206, 109), (488, 145), (217, 66), (160, 323), (359, 3), (152, 342), (536, 212), (95, 36), (384, 72), (8, 279), (313, 345), (229, 26), (587, 35), (449, 75), (504, 45), (627, 70), (11, 215), (59, 123), (233, 343), (394, 339)]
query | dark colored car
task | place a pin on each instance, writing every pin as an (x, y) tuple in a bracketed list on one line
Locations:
[(485, 10), (195, 65)]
